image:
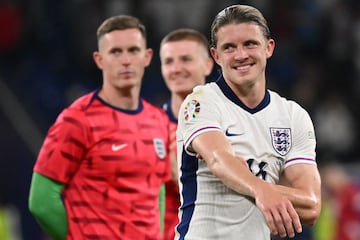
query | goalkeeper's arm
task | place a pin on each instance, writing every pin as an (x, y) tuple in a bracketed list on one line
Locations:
[(162, 206), (46, 205)]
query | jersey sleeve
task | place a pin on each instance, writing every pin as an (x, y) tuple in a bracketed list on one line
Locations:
[(198, 114), (304, 141), (46, 205), (64, 147)]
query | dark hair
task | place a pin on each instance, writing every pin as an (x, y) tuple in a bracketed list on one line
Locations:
[(185, 34), (120, 22), (238, 14)]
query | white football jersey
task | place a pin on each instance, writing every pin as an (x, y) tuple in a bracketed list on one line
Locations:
[(272, 136)]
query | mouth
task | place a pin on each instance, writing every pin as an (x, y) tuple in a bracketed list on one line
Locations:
[(126, 74), (179, 78), (243, 68)]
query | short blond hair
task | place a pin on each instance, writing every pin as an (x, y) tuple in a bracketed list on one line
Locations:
[(186, 34)]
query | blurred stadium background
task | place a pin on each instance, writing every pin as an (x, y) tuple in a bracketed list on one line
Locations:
[(46, 62)]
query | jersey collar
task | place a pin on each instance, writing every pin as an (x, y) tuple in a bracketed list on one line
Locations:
[(140, 107), (232, 97), (167, 108)]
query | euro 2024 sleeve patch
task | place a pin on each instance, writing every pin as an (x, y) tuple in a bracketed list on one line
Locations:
[(192, 108)]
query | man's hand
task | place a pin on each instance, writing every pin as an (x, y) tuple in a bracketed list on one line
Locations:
[(279, 212)]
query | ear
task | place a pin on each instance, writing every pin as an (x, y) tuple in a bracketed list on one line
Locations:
[(98, 59), (214, 55), (149, 54), (270, 48), (209, 66)]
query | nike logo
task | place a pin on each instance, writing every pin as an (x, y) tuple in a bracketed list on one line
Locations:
[(116, 148), (230, 134)]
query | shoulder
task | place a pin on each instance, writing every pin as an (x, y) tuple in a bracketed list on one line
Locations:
[(289, 105), (208, 88), (150, 106), (203, 93), (154, 110), (76, 111), (83, 102)]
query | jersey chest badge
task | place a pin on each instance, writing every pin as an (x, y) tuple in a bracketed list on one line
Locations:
[(281, 140), (159, 146)]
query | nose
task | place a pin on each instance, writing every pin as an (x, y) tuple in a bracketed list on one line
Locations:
[(175, 66), (126, 59), (241, 53)]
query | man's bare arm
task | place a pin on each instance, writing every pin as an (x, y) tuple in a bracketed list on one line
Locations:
[(215, 149), (303, 188)]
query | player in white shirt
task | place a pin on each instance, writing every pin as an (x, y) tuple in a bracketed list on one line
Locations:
[(247, 156)]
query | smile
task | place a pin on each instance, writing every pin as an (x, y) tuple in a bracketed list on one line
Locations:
[(243, 68)]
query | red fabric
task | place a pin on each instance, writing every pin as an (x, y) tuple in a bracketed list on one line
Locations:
[(10, 26), (348, 204), (108, 160), (172, 195), (171, 213)]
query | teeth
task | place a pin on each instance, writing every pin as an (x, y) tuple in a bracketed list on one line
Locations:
[(243, 67)]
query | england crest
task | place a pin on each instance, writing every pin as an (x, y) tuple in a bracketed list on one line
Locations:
[(159, 146), (281, 140)]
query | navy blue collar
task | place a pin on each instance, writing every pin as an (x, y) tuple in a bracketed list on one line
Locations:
[(140, 107), (167, 108), (232, 97)]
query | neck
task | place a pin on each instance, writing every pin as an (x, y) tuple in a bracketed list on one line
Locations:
[(176, 101), (250, 94), (127, 99)]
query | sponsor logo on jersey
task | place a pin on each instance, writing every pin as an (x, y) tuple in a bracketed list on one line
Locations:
[(192, 108), (159, 146), (116, 148), (281, 140), (232, 134)]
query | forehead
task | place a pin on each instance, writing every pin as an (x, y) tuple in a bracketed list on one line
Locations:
[(123, 38), (182, 47), (239, 32)]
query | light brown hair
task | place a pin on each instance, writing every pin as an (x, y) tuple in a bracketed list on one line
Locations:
[(238, 14), (120, 22)]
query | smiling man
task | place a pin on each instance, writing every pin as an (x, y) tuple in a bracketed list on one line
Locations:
[(237, 141), (185, 63)]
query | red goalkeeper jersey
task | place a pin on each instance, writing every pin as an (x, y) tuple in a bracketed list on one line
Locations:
[(112, 163)]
